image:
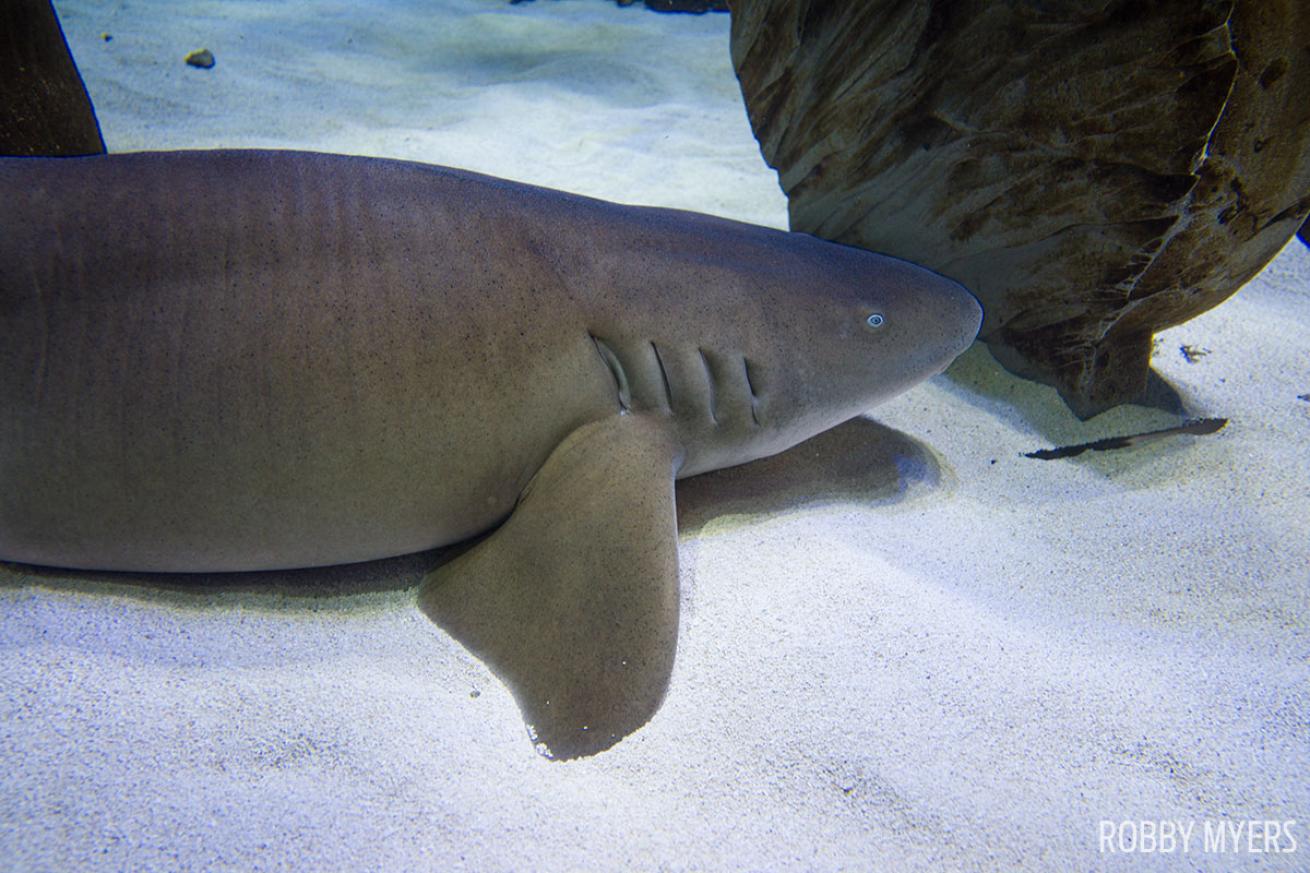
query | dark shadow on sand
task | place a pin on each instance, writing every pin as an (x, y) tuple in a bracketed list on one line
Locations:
[(978, 379), (199, 589)]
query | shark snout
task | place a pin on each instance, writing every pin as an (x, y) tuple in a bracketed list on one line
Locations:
[(968, 313), (956, 317)]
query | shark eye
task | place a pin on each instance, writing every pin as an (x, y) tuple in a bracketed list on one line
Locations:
[(875, 320)]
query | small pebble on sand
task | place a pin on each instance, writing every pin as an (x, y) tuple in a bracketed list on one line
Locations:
[(204, 59)]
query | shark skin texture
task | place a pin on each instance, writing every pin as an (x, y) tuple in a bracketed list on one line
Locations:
[(257, 360)]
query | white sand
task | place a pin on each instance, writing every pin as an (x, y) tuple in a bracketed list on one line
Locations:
[(906, 648)]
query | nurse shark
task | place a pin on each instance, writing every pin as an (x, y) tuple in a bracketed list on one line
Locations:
[(259, 360)]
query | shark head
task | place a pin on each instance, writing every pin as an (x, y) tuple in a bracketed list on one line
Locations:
[(859, 328), (781, 336)]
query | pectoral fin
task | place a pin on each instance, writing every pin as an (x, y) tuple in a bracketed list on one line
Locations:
[(573, 602)]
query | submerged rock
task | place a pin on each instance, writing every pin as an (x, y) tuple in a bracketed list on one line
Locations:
[(1094, 171), (203, 58)]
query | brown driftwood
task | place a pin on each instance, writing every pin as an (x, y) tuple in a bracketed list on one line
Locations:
[(1094, 171)]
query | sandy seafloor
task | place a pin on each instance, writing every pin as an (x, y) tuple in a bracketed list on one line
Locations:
[(905, 646)]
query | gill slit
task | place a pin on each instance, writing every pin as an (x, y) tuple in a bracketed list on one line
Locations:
[(664, 376), (750, 387), (615, 367), (709, 382)]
